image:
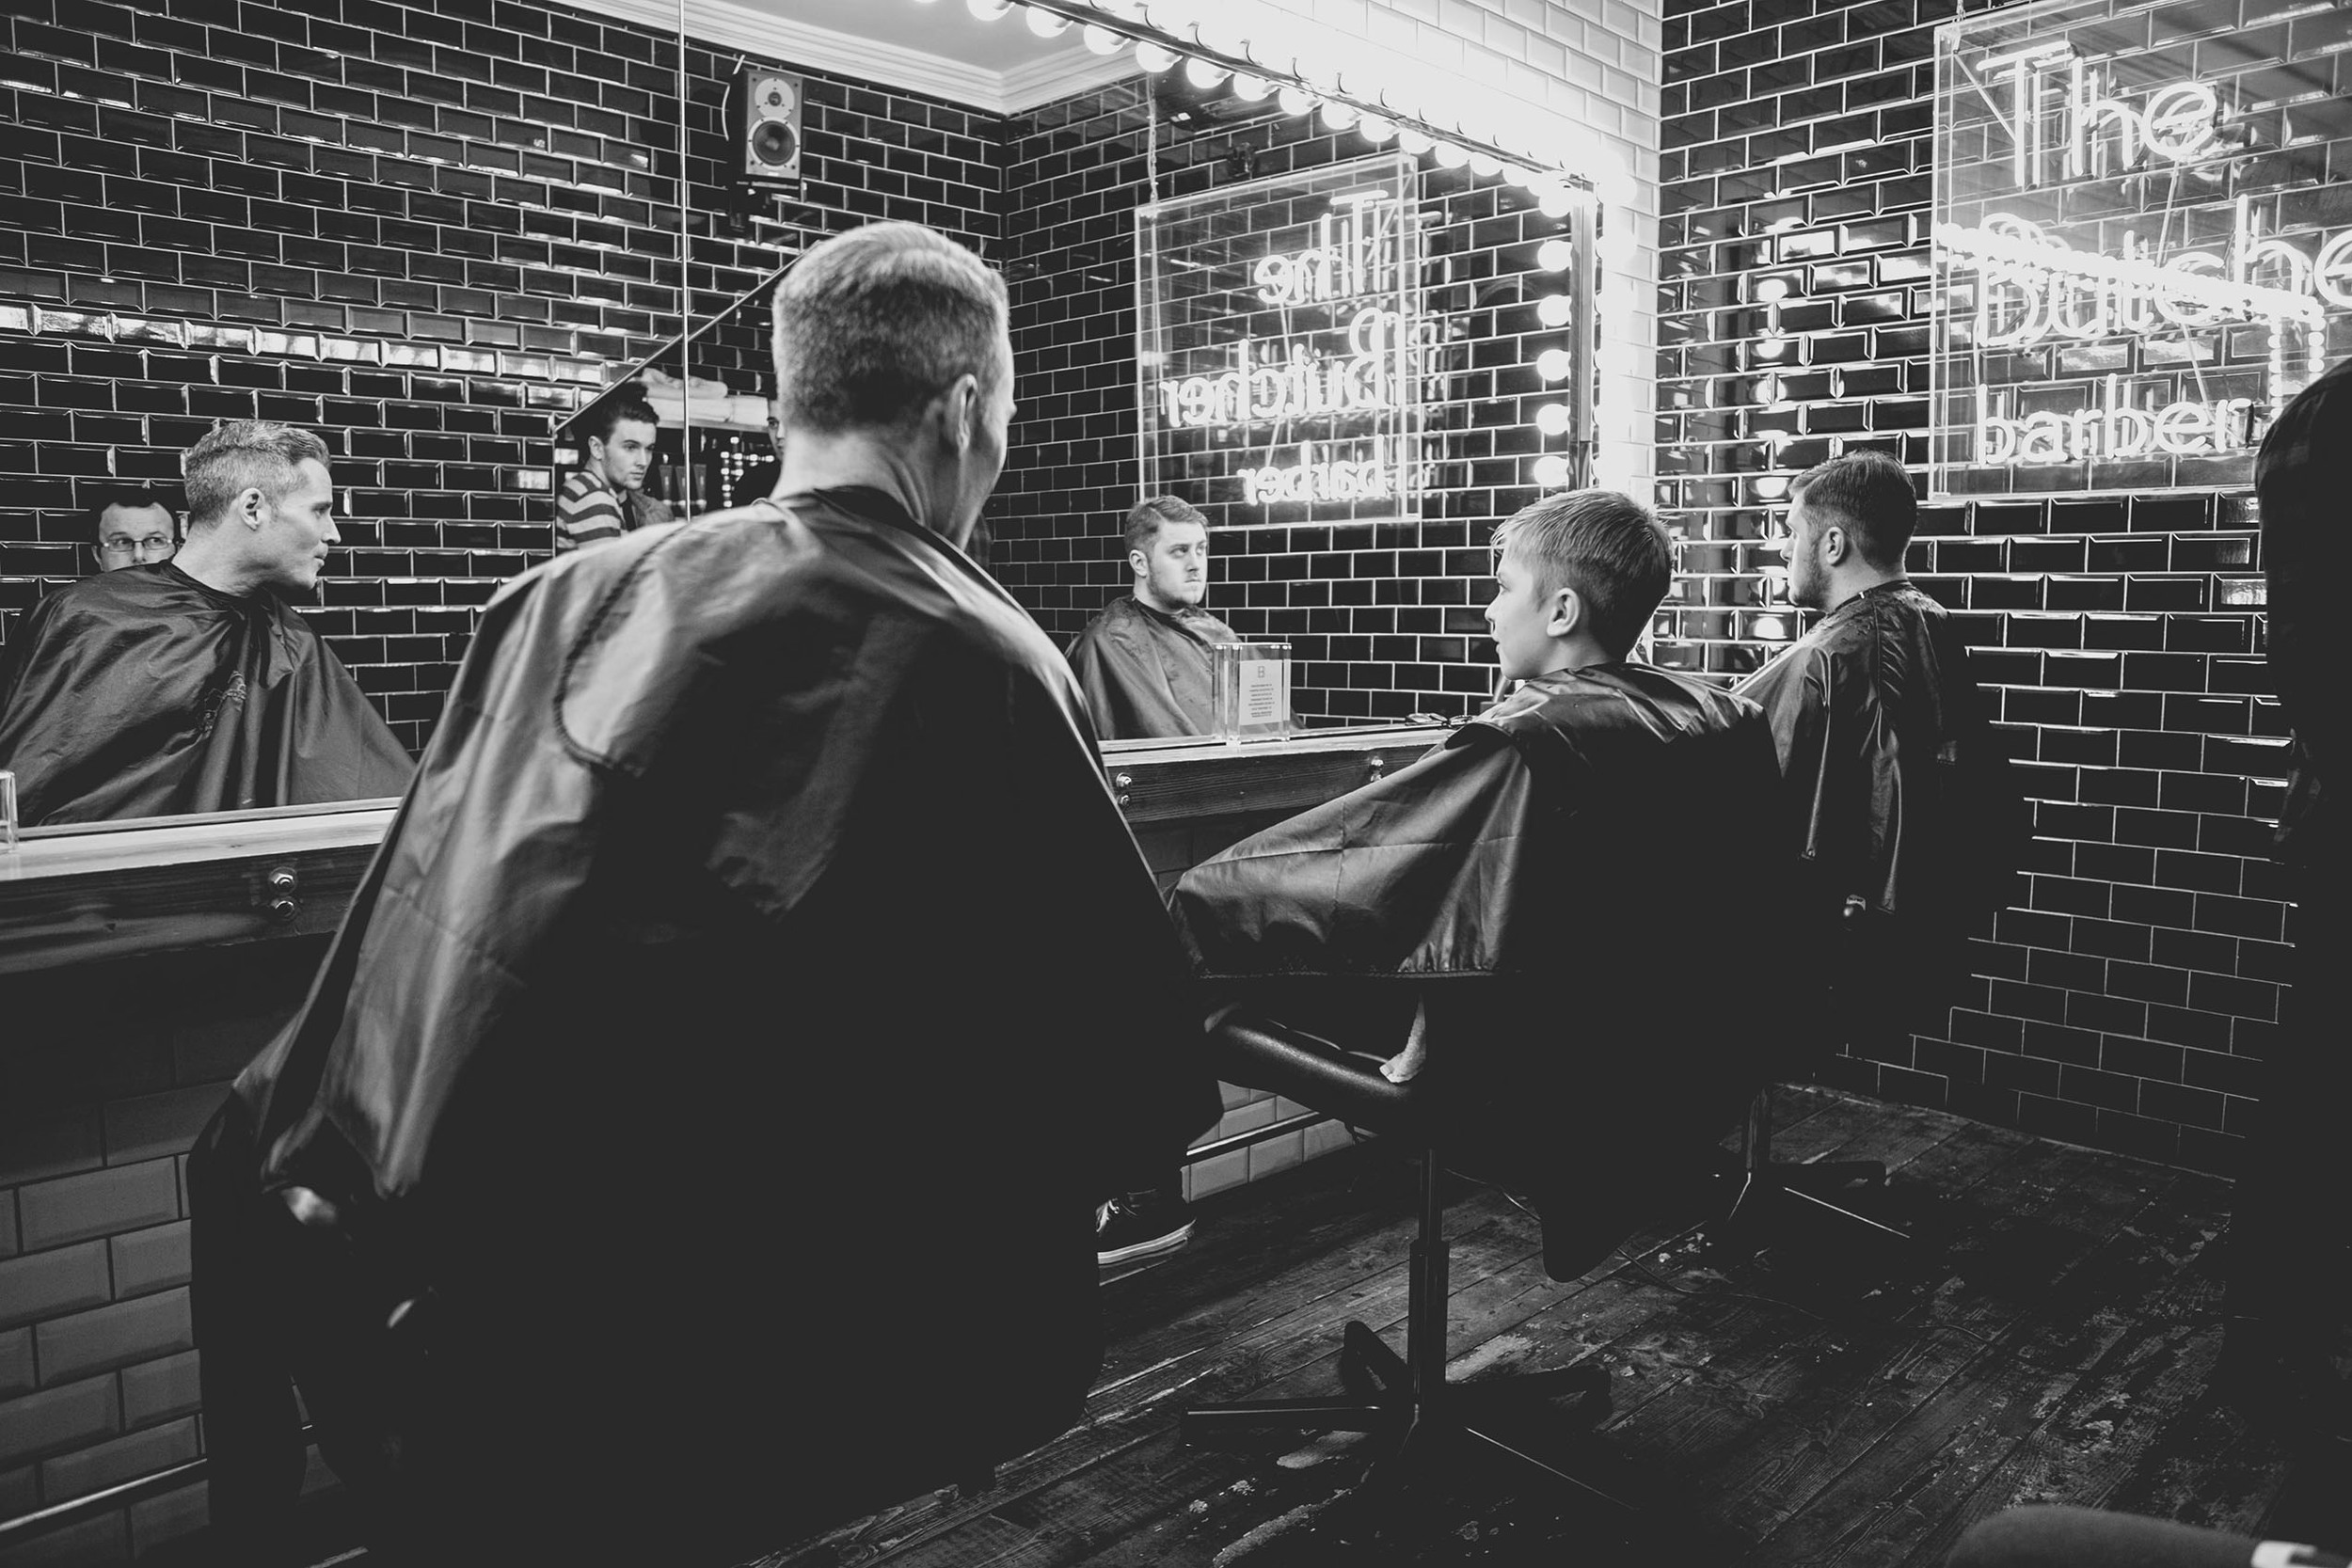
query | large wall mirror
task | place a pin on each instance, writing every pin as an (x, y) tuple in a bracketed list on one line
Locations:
[(440, 253)]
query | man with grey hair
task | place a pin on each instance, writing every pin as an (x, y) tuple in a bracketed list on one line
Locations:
[(1144, 661), (191, 684), (754, 919)]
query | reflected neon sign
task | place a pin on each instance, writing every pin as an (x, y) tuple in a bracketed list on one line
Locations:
[(2114, 431)]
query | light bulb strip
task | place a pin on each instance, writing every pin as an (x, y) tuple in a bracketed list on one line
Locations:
[(1143, 32)]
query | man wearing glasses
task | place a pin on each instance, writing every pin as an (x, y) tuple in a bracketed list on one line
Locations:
[(134, 527)]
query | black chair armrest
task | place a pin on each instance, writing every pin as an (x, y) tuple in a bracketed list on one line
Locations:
[(1259, 1053)]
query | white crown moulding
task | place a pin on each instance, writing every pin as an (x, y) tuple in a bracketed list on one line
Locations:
[(723, 24)]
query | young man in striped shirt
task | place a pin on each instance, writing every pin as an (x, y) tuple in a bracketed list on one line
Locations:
[(607, 498)]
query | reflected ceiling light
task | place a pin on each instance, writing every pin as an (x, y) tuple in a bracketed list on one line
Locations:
[(1555, 255), (1154, 56), (1295, 101), (1047, 25), (1553, 419), (1338, 115), (1484, 164), (1101, 40), (1554, 364), (1376, 130), (1204, 73), (1551, 470), (1451, 156), (1554, 309), (1248, 89), (1772, 289), (1412, 141), (988, 11)]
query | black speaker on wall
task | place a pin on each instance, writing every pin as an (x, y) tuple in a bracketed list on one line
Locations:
[(766, 124)]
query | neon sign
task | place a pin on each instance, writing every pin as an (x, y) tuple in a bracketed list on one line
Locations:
[(2135, 265), (1279, 344)]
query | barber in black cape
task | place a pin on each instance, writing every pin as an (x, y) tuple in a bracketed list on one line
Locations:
[(695, 1136), (192, 683)]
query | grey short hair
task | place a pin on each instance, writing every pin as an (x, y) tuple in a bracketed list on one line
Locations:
[(873, 323), (245, 455)]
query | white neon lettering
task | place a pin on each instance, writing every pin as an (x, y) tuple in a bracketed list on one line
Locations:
[(2097, 131), (2114, 429), (1316, 479)]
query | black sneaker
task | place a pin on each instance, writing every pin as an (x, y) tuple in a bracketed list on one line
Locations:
[(1137, 1228)]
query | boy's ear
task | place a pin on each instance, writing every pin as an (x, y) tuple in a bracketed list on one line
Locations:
[(1567, 613)]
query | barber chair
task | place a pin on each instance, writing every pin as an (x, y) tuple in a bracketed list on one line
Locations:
[(1405, 1398)]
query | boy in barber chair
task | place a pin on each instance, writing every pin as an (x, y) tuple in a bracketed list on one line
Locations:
[(1532, 896)]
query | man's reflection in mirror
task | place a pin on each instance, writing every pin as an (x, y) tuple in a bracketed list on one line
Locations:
[(607, 497), (191, 684), (1143, 663), (133, 526)]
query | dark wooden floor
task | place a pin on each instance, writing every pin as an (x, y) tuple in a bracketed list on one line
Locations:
[(2049, 1338)]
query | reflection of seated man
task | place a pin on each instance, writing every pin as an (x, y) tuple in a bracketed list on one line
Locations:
[(192, 685), (1143, 666), (1143, 663), (1898, 800), (132, 528), (606, 496), (1545, 865)]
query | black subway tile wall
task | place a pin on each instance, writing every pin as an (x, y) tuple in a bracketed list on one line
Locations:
[(429, 233), (1384, 619), (2125, 1001)]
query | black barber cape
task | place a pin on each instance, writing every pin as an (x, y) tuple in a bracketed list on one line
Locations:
[(1558, 874), (1146, 672), (753, 997), (142, 692), (1896, 789)]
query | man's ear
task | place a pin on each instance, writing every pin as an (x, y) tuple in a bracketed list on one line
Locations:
[(1836, 543), (1567, 613), (959, 413), (250, 508), (1138, 563)]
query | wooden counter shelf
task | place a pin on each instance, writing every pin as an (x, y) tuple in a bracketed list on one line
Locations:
[(74, 895)]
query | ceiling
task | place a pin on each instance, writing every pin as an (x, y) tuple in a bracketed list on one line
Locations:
[(931, 46)]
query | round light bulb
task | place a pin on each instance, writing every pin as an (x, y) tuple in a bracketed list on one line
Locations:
[(1101, 40), (1047, 25), (988, 11), (1413, 142), (1554, 309), (1484, 164), (1520, 175), (1295, 101), (1205, 74), (1555, 255), (1338, 115), (1155, 57), (1554, 364), (1555, 201), (1376, 130), (1551, 470), (1452, 156), (1553, 419), (1248, 89)]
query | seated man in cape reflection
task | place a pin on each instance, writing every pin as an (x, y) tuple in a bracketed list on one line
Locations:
[(1523, 896), (191, 683), (695, 1136)]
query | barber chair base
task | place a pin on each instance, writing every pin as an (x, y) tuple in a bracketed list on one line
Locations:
[(1407, 1398), (1822, 1189)]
